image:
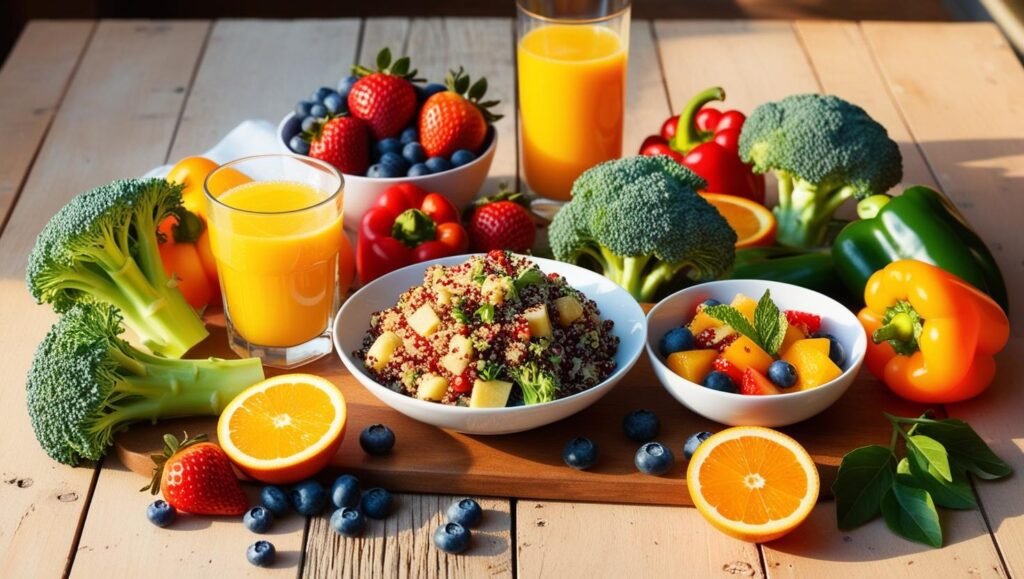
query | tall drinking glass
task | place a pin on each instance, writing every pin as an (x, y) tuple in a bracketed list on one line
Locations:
[(276, 241), (572, 88)]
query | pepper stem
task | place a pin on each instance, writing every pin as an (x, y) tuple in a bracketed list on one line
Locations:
[(902, 327), (687, 136)]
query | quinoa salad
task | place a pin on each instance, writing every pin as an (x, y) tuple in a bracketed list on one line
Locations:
[(491, 332)]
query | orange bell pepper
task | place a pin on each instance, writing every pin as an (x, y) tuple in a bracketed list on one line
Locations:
[(932, 337), (187, 258)]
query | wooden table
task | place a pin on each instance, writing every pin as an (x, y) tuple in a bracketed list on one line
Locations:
[(82, 103)]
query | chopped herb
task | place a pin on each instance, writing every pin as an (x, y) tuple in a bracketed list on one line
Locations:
[(485, 313)]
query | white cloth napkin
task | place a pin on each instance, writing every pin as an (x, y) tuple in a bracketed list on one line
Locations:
[(251, 137)]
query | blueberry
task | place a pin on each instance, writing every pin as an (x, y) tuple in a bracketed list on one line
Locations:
[(691, 444), (377, 503), (377, 439), (335, 104), (654, 458), (418, 170), (258, 519), (433, 88), (409, 135), (413, 152), (452, 538), (160, 513), (318, 110), (462, 157), (308, 498), (308, 124), (298, 145), (782, 374), (836, 352), (321, 93), (720, 381), (676, 340), (396, 161), (466, 512), (711, 302), (345, 86), (348, 521), (275, 499), (438, 164), (345, 491), (389, 145), (641, 426), (580, 453), (302, 108), (382, 171), (261, 553)]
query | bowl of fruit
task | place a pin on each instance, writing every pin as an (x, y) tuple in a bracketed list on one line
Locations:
[(490, 343), (754, 353), (384, 126)]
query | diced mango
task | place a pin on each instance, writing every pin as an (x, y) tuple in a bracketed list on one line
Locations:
[(744, 353), (460, 352), (813, 367), (693, 365), (745, 305), (431, 387), (816, 344), (424, 321), (793, 334), (701, 322), (382, 349), (490, 394), (539, 321), (569, 310)]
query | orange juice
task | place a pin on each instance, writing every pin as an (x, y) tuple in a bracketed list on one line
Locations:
[(572, 81), (277, 257)]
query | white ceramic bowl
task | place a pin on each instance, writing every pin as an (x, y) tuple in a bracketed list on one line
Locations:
[(460, 184), (615, 304), (738, 409)]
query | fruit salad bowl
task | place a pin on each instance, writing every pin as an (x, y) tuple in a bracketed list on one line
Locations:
[(459, 184), (614, 303), (756, 410)]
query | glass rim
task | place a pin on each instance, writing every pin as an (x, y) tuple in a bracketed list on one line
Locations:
[(301, 158), (573, 21)]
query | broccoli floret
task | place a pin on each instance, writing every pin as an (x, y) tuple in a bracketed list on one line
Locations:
[(642, 223), (86, 383), (823, 150), (103, 247), (537, 385)]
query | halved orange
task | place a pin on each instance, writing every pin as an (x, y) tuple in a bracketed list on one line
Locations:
[(752, 483), (285, 428), (754, 223)]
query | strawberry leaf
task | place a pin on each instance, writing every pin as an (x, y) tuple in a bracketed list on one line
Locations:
[(384, 58), (477, 91), (401, 66)]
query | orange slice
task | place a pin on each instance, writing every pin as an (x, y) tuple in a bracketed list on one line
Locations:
[(752, 483), (754, 223), (283, 429)]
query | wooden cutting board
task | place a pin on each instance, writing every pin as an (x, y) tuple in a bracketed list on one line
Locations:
[(529, 464)]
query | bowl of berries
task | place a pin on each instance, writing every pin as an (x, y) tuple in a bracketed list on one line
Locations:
[(753, 352), (384, 126)]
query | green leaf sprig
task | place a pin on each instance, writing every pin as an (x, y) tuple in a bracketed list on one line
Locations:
[(939, 456), (769, 327)]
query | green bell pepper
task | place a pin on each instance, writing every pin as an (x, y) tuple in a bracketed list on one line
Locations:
[(920, 224), (812, 269)]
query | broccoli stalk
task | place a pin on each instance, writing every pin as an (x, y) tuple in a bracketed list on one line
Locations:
[(823, 152), (102, 247), (537, 385), (86, 383)]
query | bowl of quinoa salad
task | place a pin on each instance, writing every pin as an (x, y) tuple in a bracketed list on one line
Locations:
[(490, 343)]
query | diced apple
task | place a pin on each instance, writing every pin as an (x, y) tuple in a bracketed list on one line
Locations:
[(382, 349), (692, 365), (424, 321), (431, 387), (460, 353), (540, 323), (444, 297), (495, 289), (569, 310), (490, 394), (744, 353)]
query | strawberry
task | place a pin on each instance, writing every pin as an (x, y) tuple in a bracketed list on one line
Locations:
[(501, 222), (196, 477), (728, 368), (384, 98), (456, 119), (756, 384), (809, 323), (717, 338), (343, 142)]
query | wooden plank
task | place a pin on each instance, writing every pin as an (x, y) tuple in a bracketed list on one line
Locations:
[(959, 88), (817, 549), (259, 69), (118, 117), (647, 104), (401, 545), (590, 540), (32, 85), (381, 33)]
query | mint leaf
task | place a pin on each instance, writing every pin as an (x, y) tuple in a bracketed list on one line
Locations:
[(731, 316), (955, 494), (770, 324), (865, 476), (931, 454), (965, 448), (910, 513)]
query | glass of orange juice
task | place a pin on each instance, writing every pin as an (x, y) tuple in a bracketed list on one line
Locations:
[(276, 241), (571, 58)]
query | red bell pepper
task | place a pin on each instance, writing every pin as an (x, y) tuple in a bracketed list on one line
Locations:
[(706, 140), (408, 225)]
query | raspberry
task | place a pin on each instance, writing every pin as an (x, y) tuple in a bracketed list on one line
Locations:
[(809, 323)]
